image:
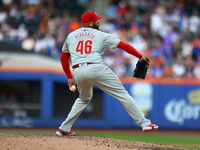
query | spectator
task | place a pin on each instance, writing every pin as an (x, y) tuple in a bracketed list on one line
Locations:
[(178, 66), (194, 22), (40, 45), (167, 71), (118, 66), (111, 10), (22, 32), (1, 34), (189, 65), (3, 15), (50, 44), (156, 67), (196, 70), (122, 8), (139, 43), (156, 20), (186, 48), (196, 47), (178, 69), (12, 35), (108, 59)]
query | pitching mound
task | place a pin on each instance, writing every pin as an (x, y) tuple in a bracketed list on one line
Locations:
[(78, 142)]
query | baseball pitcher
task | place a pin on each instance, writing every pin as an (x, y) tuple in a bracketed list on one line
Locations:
[(85, 47)]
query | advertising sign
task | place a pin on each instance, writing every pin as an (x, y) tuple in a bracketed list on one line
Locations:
[(177, 106)]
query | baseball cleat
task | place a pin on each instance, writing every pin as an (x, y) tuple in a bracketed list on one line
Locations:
[(62, 133), (150, 127)]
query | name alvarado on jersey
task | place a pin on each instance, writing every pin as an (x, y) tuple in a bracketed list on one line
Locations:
[(86, 34)]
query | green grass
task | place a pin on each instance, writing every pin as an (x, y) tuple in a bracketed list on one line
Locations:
[(26, 132), (180, 141), (155, 138), (158, 139)]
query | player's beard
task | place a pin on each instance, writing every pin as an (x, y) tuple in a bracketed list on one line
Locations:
[(95, 26)]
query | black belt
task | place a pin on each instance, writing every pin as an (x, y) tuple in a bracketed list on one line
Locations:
[(82, 64)]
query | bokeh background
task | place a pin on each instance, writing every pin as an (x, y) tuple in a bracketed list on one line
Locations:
[(33, 87)]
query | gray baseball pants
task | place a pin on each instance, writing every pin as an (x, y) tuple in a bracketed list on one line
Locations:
[(104, 78)]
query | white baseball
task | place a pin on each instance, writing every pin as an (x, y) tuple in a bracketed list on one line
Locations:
[(72, 88)]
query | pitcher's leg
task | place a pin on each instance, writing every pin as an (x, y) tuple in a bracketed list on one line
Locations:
[(77, 108), (110, 83), (85, 96)]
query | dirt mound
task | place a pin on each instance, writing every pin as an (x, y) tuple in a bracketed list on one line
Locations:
[(77, 142)]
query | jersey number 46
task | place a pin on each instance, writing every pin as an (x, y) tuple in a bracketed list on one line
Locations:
[(84, 47)]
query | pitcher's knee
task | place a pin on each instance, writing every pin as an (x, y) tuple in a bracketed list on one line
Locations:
[(85, 100)]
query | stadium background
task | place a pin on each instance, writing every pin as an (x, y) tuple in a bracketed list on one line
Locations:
[(33, 87)]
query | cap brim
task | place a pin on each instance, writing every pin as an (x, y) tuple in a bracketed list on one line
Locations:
[(100, 17)]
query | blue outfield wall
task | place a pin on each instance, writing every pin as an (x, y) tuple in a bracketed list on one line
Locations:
[(177, 107), (171, 106)]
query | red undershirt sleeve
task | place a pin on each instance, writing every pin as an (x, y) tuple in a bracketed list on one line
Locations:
[(64, 58), (129, 49)]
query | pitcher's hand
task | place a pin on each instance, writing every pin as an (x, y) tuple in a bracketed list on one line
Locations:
[(70, 83), (142, 58)]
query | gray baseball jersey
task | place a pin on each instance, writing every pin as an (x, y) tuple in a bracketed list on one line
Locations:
[(86, 45)]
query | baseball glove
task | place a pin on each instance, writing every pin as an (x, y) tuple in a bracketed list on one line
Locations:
[(141, 69)]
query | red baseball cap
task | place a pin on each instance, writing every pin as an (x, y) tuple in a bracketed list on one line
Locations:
[(90, 16)]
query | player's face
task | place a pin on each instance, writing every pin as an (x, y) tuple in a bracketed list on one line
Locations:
[(95, 24)]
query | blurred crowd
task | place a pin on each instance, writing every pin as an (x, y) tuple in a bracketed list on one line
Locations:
[(39, 25), (165, 31)]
